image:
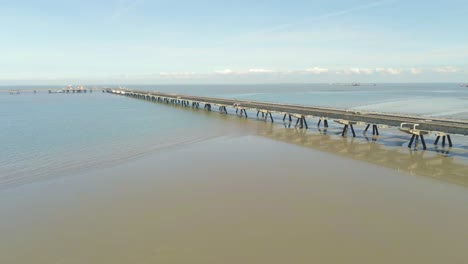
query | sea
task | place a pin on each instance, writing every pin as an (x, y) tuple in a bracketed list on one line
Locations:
[(103, 178), (51, 135)]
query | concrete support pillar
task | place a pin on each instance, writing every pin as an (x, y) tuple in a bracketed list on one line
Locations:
[(285, 116), (415, 139), (423, 142), (375, 130), (301, 122), (444, 137), (243, 112), (266, 115), (345, 130), (223, 110), (325, 122)]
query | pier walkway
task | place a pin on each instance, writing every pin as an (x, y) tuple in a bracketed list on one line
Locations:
[(416, 126)]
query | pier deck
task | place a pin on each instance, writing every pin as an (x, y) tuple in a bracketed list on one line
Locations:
[(434, 125)]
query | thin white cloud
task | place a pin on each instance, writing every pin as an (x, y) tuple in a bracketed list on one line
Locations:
[(314, 70), (446, 69), (225, 72), (260, 71), (366, 71), (244, 72), (415, 71), (317, 70), (391, 71), (369, 71), (177, 74), (248, 75)]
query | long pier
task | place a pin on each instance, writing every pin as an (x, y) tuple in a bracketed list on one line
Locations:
[(416, 126)]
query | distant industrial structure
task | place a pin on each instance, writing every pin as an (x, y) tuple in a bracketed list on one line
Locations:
[(68, 89)]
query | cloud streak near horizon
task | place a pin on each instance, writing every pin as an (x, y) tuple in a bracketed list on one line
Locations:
[(318, 71)]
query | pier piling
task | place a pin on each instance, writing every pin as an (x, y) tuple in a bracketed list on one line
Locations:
[(325, 122), (444, 137)]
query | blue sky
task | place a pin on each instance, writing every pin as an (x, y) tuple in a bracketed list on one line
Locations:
[(142, 41)]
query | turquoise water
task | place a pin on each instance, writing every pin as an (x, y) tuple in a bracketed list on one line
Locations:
[(47, 135)]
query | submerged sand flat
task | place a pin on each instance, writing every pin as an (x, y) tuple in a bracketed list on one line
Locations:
[(239, 199), (387, 150)]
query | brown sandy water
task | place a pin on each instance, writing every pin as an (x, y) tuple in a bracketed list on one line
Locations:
[(245, 199), (443, 163)]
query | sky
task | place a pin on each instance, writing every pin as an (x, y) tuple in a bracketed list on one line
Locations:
[(208, 41)]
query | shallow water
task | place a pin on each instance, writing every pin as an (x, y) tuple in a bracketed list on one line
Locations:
[(237, 199), (48, 135), (99, 178)]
